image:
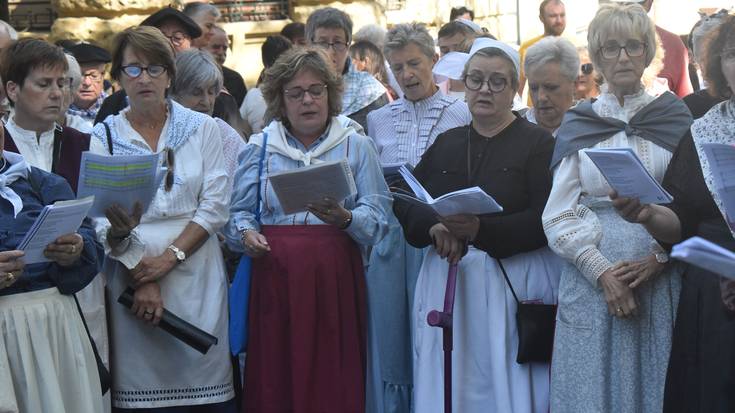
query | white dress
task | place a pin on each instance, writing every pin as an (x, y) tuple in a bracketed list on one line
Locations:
[(152, 369)]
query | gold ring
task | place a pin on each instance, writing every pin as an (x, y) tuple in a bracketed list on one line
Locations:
[(73, 249), (620, 309), (147, 312), (329, 211), (11, 276)]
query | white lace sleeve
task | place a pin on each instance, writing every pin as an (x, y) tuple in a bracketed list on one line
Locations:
[(573, 231)]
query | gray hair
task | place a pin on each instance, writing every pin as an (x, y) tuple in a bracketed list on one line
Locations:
[(371, 33), (402, 34), (329, 18), (74, 73), (496, 52), (198, 7), (9, 30), (195, 68), (620, 18), (553, 50)]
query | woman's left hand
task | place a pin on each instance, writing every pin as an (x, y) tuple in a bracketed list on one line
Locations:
[(635, 273), (151, 269), (66, 250), (330, 212)]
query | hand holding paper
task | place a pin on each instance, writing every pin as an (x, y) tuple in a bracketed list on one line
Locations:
[(57, 220)]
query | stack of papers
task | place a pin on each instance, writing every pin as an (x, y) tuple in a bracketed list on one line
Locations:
[(299, 187), (122, 180), (705, 254), (626, 174), (464, 201), (61, 218), (721, 160)]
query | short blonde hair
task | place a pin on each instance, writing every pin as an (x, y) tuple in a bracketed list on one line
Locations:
[(286, 67), (621, 18)]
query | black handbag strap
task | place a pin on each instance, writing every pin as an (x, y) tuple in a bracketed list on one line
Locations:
[(507, 280), (105, 378), (56, 154), (109, 136)]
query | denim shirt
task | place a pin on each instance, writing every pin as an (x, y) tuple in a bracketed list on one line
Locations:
[(46, 189), (370, 206)]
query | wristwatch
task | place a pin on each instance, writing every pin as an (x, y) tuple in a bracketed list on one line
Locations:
[(179, 254), (661, 257)]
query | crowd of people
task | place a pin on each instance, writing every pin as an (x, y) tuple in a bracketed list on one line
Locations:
[(340, 292)]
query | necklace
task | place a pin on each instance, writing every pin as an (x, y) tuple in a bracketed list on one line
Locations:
[(148, 126)]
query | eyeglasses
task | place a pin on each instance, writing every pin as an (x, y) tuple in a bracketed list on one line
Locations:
[(134, 71), (176, 38), (587, 68), (169, 180), (495, 84), (94, 76), (297, 93), (338, 47), (633, 48)]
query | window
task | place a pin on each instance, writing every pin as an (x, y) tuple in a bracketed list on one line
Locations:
[(252, 10)]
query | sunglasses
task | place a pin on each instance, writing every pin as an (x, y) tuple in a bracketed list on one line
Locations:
[(169, 180), (587, 68)]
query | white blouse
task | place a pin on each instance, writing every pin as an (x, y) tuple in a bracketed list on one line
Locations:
[(573, 231), (200, 192), (38, 150)]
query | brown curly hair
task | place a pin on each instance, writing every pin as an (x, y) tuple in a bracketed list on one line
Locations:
[(713, 46), (288, 65)]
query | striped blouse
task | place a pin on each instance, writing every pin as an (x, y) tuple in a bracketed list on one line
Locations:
[(403, 130)]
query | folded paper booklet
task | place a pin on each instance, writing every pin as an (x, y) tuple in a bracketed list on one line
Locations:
[(61, 218), (392, 168), (705, 254), (464, 201), (122, 180), (626, 174), (299, 187), (721, 160)]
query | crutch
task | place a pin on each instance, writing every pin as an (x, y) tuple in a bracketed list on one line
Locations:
[(443, 320)]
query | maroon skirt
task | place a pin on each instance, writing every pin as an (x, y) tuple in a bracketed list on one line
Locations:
[(307, 324)]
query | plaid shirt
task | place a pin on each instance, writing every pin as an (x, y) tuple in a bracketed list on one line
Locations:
[(361, 89), (90, 113)]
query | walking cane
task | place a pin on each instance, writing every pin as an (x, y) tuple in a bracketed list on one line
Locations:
[(443, 320)]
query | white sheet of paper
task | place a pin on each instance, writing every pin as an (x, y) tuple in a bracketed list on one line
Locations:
[(705, 254), (722, 166), (61, 218), (121, 180), (299, 187), (626, 174), (464, 201)]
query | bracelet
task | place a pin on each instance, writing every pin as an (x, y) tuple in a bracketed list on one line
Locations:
[(347, 221), (244, 232)]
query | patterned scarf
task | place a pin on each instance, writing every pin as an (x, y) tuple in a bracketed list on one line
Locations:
[(89, 113), (182, 124)]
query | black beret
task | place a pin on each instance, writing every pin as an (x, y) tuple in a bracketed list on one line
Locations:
[(190, 26), (89, 53)]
